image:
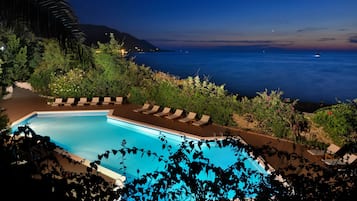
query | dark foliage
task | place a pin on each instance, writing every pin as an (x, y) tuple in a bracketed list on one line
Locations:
[(43, 178), (30, 170), (46, 18)]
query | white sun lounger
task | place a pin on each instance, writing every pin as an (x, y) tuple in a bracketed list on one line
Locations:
[(164, 112), (57, 102), (118, 100), (107, 100), (204, 120), (70, 102), (153, 110), (332, 149), (177, 114), (82, 101), (190, 117), (344, 160), (145, 107), (95, 101)]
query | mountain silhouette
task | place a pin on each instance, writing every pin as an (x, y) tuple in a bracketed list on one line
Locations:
[(100, 33)]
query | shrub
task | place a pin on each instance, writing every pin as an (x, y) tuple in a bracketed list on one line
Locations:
[(13, 58), (54, 63), (274, 115), (68, 85), (137, 95), (200, 96), (339, 121)]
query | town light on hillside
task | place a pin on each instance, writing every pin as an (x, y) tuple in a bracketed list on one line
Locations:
[(123, 52)]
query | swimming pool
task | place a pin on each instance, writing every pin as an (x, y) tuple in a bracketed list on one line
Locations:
[(89, 133)]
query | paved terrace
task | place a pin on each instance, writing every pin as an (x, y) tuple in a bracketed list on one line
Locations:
[(24, 102)]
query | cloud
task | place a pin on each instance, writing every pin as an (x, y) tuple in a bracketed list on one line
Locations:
[(326, 39), (353, 39), (343, 29), (216, 41), (310, 29), (240, 43)]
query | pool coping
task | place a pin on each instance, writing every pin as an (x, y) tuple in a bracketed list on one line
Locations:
[(119, 179)]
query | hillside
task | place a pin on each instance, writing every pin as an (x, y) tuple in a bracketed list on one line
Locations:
[(95, 33)]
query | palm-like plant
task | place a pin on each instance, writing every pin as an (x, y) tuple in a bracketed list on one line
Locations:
[(46, 18)]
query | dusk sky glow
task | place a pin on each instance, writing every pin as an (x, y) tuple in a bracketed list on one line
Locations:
[(293, 24)]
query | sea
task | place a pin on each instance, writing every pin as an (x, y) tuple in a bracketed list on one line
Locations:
[(319, 77)]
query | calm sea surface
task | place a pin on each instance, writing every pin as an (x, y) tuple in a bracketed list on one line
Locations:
[(299, 74)]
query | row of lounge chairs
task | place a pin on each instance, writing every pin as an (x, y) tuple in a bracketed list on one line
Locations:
[(178, 114), (331, 156), (86, 101)]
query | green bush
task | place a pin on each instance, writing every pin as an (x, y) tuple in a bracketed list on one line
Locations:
[(274, 115), (54, 62), (339, 121), (14, 58), (137, 95), (167, 94)]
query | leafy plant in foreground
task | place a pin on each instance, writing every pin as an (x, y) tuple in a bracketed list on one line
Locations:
[(189, 175), (43, 178), (30, 169)]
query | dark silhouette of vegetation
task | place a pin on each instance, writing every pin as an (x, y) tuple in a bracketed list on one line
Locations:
[(45, 18), (30, 169), (51, 19), (30, 166), (190, 175)]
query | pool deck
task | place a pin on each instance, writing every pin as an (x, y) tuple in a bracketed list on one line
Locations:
[(24, 102)]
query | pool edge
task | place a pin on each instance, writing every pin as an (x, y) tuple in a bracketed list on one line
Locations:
[(117, 178), (110, 115)]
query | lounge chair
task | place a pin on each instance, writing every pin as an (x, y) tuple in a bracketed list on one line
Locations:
[(107, 100), (190, 117), (118, 100), (57, 102), (330, 150), (82, 101), (204, 120), (94, 101), (346, 159), (153, 110), (70, 102), (177, 114), (164, 112), (145, 107)]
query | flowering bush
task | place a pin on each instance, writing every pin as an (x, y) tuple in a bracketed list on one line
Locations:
[(69, 84)]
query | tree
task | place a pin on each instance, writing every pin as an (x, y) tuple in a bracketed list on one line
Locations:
[(46, 18), (15, 60)]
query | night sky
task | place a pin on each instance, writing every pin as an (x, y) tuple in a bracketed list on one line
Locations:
[(293, 24)]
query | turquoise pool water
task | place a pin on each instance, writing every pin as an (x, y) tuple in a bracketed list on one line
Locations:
[(88, 134)]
